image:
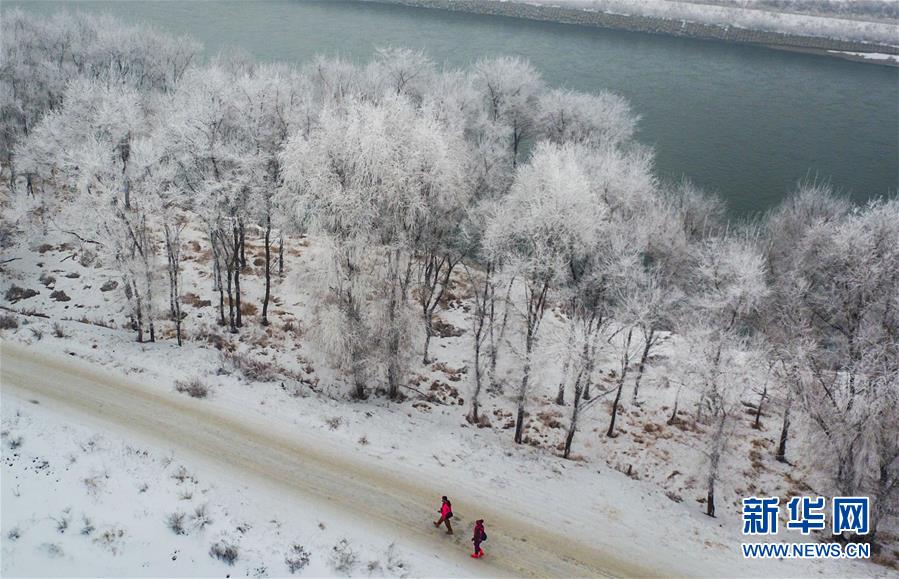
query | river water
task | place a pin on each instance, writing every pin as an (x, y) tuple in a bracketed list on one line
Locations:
[(745, 122)]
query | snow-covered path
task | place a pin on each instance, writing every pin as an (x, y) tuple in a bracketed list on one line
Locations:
[(249, 452)]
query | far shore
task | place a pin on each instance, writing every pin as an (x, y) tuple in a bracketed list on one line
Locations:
[(780, 41)]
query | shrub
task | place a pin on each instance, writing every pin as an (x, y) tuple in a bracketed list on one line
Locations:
[(175, 522), (109, 286), (16, 293), (248, 309), (47, 279), (88, 527), (195, 388), (201, 518), (182, 475), (111, 539), (224, 551), (253, 369), (194, 300), (394, 563), (58, 330), (214, 339), (8, 322), (297, 558), (14, 534), (343, 557), (60, 296), (62, 524), (95, 483)]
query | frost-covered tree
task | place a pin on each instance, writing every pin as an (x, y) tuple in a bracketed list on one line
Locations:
[(786, 327), (565, 116), (373, 177), (41, 55), (399, 71), (540, 228), (269, 101), (845, 266), (208, 147), (82, 150), (719, 366), (729, 286), (510, 87)]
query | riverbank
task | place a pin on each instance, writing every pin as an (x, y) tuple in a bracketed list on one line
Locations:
[(653, 25)]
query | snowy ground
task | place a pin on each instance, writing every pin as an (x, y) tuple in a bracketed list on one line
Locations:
[(636, 498), (869, 55), (81, 501)]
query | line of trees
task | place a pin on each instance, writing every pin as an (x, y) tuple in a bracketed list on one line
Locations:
[(417, 182)]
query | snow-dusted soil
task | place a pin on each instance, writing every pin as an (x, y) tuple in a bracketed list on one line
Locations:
[(628, 505)]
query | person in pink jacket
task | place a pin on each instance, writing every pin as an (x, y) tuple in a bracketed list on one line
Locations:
[(479, 536), (446, 513)]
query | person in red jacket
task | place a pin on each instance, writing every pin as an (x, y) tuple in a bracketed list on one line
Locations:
[(446, 513), (477, 538)]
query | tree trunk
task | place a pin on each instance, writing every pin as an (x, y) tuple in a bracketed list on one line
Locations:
[(784, 431), (519, 423), (393, 338), (139, 310), (475, 396), (623, 374), (642, 365), (572, 428), (173, 251), (217, 283), (238, 244), (216, 269), (673, 418), (229, 274), (429, 331), (150, 316), (560, 396), (714, 461), (478, 325), (281, 255), (611, 431), (497, 338), (243, 246), (758, 411), (357, 353), (522, 392), (473, 416), (12, 174), (268, 269)]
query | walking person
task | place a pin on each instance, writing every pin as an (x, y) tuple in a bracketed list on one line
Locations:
[(479, 536), (446, 513)]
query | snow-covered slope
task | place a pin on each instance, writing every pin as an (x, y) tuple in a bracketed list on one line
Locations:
[(636, 497)]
